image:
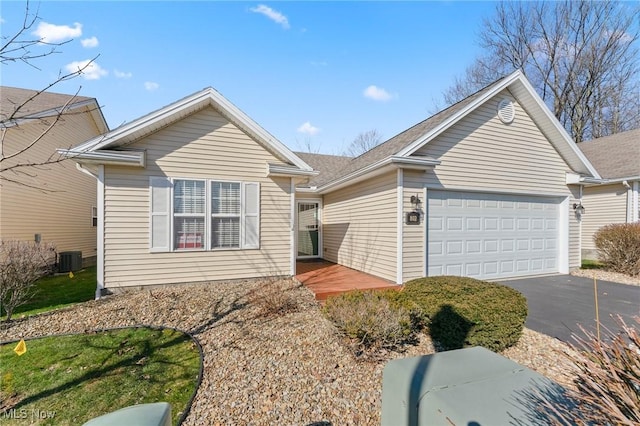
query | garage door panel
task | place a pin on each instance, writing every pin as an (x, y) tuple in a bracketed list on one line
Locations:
[(491, 235)]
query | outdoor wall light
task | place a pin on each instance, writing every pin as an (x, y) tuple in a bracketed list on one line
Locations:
[(415, 200), (579, 208)]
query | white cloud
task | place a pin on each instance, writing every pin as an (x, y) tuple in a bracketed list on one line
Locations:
[(89, 42), (308, 129), (90, 70), (377, 93), (151, 86), (50, 33), (2, 21), (274, 15), (122, 74)]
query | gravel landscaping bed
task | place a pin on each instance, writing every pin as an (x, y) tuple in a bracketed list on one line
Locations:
[(289, 369), (603, 275)]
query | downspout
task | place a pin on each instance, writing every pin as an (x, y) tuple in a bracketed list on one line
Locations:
[(292, 234), (629, 201), (86, 171), (100, 263)]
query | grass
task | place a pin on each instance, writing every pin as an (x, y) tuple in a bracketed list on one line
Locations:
[(71, 379), (57, 291), (592, 264)]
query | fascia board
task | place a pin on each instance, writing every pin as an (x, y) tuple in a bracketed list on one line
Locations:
[(50, 113), (554, 121), (111, 138)]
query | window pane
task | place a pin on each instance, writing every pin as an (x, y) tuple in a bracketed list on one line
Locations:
[(225, 198), (225, 232), (189, 232), (188, 196)]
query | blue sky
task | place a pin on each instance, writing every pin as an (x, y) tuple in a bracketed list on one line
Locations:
[(315, 73)]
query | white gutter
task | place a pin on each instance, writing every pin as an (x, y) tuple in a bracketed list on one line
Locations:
[(396, 161), (288, 171), (120, 158), (588, 180)]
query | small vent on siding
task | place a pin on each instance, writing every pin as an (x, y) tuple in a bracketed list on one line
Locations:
[(506, 111)]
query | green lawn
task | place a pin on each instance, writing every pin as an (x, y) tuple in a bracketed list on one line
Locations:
[(592, 264), (56, 291), (71, 379)]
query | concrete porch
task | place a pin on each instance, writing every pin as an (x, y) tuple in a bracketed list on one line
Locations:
[(327, 279)]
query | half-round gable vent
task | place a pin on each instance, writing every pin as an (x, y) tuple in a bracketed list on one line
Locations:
[(506, 111)]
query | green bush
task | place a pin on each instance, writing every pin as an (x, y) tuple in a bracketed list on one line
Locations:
[(468, 312), (619, 247), (371, 317)]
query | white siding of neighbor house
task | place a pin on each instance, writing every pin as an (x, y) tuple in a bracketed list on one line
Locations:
[(481, 153), (604, 205), (54, 201), (360, 226), (204, 145)]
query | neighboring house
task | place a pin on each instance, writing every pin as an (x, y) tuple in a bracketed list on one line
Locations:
[(197, 191), (614, 199), (56, 202)]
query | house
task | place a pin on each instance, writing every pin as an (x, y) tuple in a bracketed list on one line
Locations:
[(197, 191), (614, 199), (55, 202)]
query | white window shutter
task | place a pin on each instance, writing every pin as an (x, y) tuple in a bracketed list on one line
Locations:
[(160, 203), (250, 215)]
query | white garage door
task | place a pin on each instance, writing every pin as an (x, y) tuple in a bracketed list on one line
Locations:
[(492, 235)]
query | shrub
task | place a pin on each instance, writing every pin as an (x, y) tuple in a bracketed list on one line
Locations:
[(21, 264), (273, 296), (371, 318), (468, 312), (607, 378), (619, 247)]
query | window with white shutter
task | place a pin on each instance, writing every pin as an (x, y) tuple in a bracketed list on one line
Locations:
[(179, 209)]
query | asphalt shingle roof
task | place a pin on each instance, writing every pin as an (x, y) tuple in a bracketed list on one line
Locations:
[(615, 156), (13, 97)]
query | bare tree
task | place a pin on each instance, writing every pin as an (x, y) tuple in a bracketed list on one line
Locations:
[(21, 264), (581, 56), (364, 142), (308, 145), (21, 47)]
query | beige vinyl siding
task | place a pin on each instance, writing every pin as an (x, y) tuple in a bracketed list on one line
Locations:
[(413, 236), (604, 205), (202, 146), (58, 199), (482, 153), (360, 226), (575, 255)]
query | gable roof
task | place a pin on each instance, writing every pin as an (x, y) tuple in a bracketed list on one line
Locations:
[(326, 165), (18, 105), (615, 156), (163, 117), (409, 141)]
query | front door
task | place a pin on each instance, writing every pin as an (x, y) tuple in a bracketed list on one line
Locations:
[(308, 229)]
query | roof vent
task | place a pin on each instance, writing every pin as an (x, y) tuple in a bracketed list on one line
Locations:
[(506, 111)]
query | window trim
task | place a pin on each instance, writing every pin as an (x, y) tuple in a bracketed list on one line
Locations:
[(187, 215), (219, 215)]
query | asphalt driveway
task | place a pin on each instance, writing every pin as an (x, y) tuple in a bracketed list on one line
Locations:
[(557, 304)]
